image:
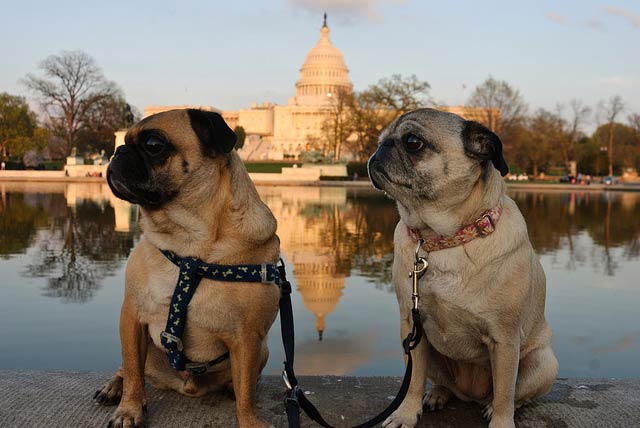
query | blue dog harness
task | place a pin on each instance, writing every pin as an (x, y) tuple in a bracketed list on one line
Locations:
[(192, 270)]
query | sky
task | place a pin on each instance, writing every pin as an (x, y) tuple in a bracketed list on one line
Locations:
[(229, 54)]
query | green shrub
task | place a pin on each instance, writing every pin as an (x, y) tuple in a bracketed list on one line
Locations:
[(268, 167), (359, 168), (14, 165), (54, 165)]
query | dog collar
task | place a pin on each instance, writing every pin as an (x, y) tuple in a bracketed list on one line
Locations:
[(483, 226), (192, 270)]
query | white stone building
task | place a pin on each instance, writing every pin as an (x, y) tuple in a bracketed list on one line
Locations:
[(279, 131)]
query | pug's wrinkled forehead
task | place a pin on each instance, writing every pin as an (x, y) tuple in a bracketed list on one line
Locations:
[(182, 128), (442, 131), (433, 125)]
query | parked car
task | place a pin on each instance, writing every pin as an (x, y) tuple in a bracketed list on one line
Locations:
[(523, 177), (609, 180), (567, 179)]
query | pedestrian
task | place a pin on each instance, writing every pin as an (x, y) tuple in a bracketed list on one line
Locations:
[(3, 166)]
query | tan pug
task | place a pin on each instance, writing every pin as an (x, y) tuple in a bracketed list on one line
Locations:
[(196, 200), (482, 303)]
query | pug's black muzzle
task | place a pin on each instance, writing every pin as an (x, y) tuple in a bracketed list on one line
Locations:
[(127, 175), (372, 166), (375, 166)]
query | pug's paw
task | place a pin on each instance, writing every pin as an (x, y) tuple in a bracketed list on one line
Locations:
[(110, 393), (406, 416), (255, 423), (128, 416), (488, 412), (437, 398), (502, 422)]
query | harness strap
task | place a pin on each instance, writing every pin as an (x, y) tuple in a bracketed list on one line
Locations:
[(295, 399), (171, 337), (192, 270)]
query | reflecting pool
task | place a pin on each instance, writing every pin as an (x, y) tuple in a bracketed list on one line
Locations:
[(63, 249)]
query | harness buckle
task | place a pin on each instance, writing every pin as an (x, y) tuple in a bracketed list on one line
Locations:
[(170, 338), (197, 369)]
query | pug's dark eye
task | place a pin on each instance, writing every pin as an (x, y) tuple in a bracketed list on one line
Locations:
[(413, 144), (154, 146)]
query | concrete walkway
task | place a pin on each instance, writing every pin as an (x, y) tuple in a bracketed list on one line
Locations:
[(38, 399)]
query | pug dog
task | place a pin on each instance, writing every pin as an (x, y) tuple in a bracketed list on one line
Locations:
[(481, 302), (196, 200)]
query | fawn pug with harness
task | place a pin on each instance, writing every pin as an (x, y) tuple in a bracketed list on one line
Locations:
[(199, 207), (482, 300)]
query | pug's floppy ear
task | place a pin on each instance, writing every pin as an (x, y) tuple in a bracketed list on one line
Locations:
[(480, 143), (214, 133)]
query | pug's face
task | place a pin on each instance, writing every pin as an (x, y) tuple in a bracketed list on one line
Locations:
[(168, 153), (427, 154)]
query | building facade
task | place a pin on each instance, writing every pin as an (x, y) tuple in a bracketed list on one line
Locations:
[(276, 132)]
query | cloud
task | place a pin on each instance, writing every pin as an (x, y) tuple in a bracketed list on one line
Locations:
[(345, 10), (556, 18), (595, 24), (633, 19), (618, 81)]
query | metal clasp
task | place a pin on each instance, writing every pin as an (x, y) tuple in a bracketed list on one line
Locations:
[(171, 338), (285, 377), (197, 369), (419, 268), (481, 232)]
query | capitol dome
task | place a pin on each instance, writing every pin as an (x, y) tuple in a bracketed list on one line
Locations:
[(324, 72)]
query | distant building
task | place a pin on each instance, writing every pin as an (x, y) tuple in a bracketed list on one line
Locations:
[(275, 132)]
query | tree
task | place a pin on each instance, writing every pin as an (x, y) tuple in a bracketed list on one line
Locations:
[(634, 122), (504, 106), (366, 121), (578, 115), (34, 144), (611, 109), (242, 135), (398, 94), (364, 115), (546, 129), (102, 120), (72, 86), (335, 127), (17, 123), (625, 139)]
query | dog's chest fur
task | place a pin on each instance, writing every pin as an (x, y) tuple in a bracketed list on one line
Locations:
[(451, 306), (216, 312)]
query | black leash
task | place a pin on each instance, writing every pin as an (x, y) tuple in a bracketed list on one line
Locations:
[(295, 400)]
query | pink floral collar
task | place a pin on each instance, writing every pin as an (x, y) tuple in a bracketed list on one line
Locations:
[(482, 227)]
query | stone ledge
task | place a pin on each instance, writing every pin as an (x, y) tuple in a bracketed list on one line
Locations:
[(39, 399)]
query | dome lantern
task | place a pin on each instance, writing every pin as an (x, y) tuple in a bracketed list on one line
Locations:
[(324, 72)]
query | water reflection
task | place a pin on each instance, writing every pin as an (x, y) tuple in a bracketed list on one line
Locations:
[(329, 232), (610, 219), (73, 237), (68, 240)]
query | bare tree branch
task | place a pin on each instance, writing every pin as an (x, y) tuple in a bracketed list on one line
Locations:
[(71, 86)]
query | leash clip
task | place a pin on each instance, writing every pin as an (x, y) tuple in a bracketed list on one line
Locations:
[(419, 267), (285, 377)]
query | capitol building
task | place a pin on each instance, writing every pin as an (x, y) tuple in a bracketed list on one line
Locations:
[(276, 132)]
